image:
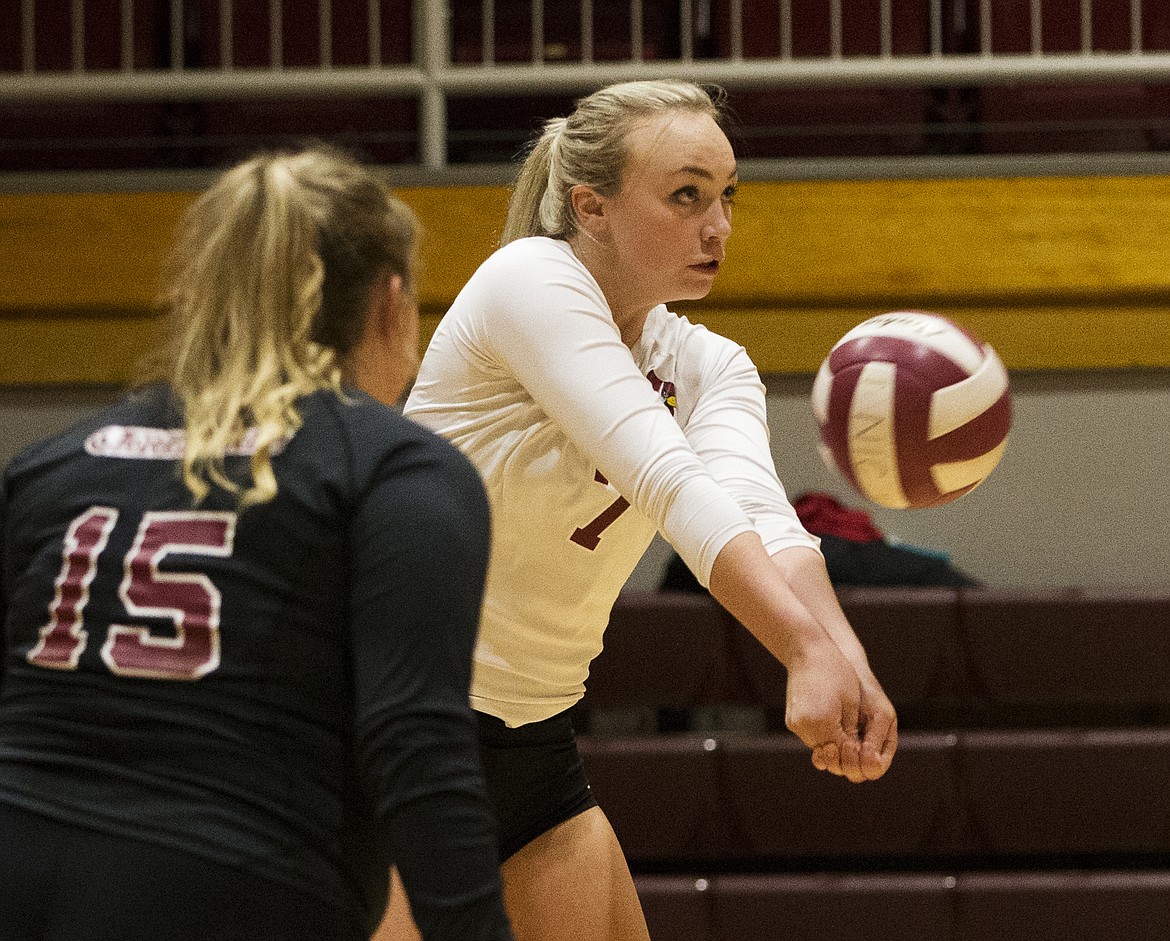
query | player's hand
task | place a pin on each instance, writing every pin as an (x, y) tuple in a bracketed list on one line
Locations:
[(824, 708), (877, 733), (878, 726)]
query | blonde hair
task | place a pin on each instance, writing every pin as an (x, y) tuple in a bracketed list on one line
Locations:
[(268, 290), (589, 147)]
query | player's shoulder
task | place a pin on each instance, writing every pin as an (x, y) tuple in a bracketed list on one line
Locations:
[(523, 258), (515, 288), (353, 422), (533, 247), (372, 438)]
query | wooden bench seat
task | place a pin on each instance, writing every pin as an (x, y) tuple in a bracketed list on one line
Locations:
[(974, 795)]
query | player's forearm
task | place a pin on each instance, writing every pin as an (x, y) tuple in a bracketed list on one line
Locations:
[(453, 885), (441, 831), (744, 580), (805, 573)]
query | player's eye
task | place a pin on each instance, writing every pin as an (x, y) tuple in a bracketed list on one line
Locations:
[(729, 194), (686, 195)]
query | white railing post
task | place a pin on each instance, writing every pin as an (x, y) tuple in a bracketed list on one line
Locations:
[(176, 37), (227, 36), (985, 27), (77, 41), (276, 35), (374, 37), (586, 31), (325, 33), (736, 30), (836, 30), (786, 29), (28, 36), (488, 30), (432, 42), (127, 39), (636, 38)]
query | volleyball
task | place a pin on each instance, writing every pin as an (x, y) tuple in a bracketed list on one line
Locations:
[(913, 410)]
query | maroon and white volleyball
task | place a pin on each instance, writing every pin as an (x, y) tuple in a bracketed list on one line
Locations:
[(913, 410)]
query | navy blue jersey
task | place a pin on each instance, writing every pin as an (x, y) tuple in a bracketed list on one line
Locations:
[(282, 689)]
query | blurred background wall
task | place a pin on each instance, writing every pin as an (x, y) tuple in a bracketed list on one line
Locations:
[(1004, 163)]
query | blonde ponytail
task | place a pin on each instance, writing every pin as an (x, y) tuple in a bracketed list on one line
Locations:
[(268, 290), (531, 211)]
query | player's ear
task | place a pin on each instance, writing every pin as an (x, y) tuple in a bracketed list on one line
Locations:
[(395, 308), (589, 210)]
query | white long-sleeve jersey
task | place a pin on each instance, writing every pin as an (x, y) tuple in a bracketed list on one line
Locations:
[(586, 447)]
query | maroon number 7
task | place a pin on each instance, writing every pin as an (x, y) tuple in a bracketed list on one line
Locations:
[(590, 535), (188, 599)]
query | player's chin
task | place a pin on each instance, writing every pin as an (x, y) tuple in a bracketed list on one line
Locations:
[(696, 285)]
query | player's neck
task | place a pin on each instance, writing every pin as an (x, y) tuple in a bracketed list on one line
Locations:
[(624, 292)]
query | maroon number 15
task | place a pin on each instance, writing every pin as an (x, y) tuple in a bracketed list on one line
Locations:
[(188, 600)]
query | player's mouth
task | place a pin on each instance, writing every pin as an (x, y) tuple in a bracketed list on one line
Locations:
[(707, 267)]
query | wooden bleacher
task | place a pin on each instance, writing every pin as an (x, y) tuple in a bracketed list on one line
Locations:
[(1030, 797)]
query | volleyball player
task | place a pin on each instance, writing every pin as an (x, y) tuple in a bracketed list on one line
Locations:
[(240, 606), (597, 417)]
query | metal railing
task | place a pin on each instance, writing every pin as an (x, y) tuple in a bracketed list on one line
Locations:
[(706, 40)]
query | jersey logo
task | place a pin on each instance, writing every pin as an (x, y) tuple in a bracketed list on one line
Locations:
[(162, 444), (664, 389)]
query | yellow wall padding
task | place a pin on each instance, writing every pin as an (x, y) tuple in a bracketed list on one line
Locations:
[(1055, 272)]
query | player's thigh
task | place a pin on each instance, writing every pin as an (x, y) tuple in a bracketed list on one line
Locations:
[(572, 883), (398, 923)]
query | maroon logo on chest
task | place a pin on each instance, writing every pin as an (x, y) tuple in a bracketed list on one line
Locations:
[(664, 389)]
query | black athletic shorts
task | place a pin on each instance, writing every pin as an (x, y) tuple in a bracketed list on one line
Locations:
[(59, 882), (535, 778)]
